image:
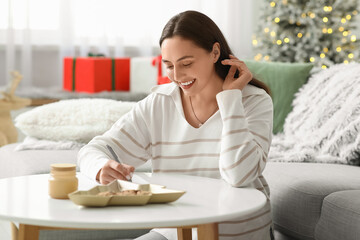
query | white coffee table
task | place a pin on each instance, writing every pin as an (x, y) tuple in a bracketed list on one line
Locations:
[(207, 201)]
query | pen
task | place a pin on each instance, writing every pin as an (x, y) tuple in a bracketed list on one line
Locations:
[(115, 156)]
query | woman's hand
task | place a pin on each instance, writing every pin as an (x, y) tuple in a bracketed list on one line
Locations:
[(245, 76), (113, 170)]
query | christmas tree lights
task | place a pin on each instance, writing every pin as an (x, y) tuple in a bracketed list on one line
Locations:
[(317, 31)]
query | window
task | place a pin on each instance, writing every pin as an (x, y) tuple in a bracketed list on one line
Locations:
[(32, 14), (91, 22)]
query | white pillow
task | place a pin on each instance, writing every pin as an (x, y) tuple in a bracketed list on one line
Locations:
[(77, 120), (324, 124)]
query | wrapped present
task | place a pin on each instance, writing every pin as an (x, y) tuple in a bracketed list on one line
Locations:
[(160, 78), (143, 75), (96, 74)]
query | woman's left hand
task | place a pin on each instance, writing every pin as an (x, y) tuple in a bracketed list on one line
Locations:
[(245, 76)]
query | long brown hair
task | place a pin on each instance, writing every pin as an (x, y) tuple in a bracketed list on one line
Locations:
[(199, 28)]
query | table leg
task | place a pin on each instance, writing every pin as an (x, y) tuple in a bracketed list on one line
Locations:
[(28, 232), (14, 231), (208, 231), (184, 233)]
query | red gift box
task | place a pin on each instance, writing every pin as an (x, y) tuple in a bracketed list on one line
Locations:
[(96, 74)]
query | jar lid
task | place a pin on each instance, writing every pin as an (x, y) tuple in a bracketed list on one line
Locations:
[(63, 166)]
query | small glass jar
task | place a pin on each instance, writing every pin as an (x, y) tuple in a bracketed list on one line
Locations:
[(62, 180)]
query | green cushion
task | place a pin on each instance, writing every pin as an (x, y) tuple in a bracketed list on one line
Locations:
[(284, 80)]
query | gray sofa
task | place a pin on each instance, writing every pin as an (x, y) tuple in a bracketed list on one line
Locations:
[(314, 165), (314, 200)]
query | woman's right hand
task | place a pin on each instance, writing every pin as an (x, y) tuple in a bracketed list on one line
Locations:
[(245, 76), (113, 170)]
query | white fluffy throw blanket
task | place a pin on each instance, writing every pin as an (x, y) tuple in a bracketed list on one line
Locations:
[(324, 125)]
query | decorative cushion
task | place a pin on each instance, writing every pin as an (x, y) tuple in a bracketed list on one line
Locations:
[(284, 80), (324, 124), (77, 120)]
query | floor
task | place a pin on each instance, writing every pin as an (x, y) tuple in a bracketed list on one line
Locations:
[(5, 230)]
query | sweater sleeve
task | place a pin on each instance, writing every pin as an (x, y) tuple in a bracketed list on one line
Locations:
[(128, 137), (246, 135)]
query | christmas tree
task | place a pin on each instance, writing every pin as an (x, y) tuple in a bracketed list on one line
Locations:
[(318, 31)]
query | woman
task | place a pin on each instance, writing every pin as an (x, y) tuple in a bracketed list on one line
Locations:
[(214, 120)]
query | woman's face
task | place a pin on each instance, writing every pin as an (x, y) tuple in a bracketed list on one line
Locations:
[(189, 66)]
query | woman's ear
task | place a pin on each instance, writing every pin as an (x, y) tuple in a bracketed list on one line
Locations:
[(216, 51)]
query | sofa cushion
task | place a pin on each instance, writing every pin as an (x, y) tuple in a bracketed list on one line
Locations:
[(340, 217), (297, 191), (284, 80), (324, 124)]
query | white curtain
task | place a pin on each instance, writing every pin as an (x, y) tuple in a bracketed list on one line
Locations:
[(33, 31)]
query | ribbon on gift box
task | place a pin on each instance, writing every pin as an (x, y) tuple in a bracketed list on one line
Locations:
[(160, 79), (113, 74), (73, 75), (90, 54)]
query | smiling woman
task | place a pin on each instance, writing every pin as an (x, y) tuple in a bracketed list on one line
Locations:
[(204, 123)]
